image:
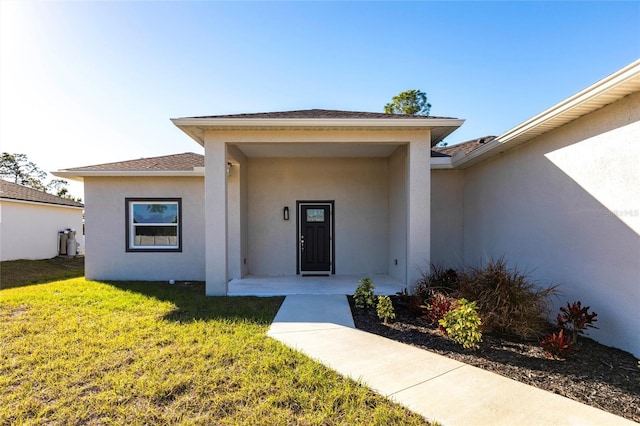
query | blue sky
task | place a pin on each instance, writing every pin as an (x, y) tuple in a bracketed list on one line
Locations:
[(90, 82)]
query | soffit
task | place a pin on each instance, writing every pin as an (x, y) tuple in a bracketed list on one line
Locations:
[(302, 150)]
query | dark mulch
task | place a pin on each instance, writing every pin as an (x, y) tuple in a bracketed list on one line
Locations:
[(597, 375)]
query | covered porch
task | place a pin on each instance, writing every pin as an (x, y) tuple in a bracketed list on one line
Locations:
[(316, 192)]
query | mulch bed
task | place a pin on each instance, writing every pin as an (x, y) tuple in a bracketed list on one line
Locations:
[(596, 375)]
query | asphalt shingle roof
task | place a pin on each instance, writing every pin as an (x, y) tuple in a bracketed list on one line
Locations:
[(466, 147), (13, 191), (176, 162), (323, 114)]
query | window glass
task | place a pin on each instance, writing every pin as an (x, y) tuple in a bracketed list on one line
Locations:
[(153, 225), (315, 215)]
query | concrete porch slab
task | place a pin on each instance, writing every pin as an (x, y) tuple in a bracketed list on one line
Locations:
[(296, 284)]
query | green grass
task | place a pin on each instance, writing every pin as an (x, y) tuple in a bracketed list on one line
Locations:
[(83, 352), (18, 273)]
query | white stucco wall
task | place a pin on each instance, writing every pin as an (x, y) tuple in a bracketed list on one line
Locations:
[(398, 214), (447, 216), (566, 205), (30, 230), (106, 258), (359, 187), (236, 214), (418, 208)]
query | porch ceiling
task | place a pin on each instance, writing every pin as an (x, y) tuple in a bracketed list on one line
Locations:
[(299, 150)]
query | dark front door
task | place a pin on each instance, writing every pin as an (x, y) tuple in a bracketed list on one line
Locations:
[(315, 242)]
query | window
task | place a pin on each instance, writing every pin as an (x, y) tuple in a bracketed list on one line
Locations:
[(154, 224)]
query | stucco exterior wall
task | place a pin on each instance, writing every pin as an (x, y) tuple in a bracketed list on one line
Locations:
[(359, 187), (30, 230), (447, 216), (566, 206), (106, 258), (237, 216), (398, 214)]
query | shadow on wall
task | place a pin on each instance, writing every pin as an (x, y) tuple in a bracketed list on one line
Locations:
[(566, 206), (191, 304)]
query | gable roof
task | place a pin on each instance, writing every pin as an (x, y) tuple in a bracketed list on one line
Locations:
[(185, 164), (317, 119), (13, 191)]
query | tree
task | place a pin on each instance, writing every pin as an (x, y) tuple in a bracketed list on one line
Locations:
[(18, 169), (412, 102)]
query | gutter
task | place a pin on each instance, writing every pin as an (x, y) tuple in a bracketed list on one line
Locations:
[(39, 203), (81, 174), (318, 122), (195, 127), (604, 92)]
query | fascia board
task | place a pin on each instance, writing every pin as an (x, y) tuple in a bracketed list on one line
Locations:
[(594, 91), (605, 91), (317, 122), (476, 155), (80, 175), (39, 203), (440, 163), (194, 127)]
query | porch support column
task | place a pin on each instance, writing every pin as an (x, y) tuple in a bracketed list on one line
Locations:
[(418, 208), (216, 217)]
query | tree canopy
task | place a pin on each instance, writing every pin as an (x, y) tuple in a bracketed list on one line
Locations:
[(412, 102), (18, 169)]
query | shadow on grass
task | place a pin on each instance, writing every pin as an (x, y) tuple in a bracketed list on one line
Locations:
[(192, 304), (24, 272)]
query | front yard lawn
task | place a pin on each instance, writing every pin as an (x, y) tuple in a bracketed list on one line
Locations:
[(83, 352), (18, 273)]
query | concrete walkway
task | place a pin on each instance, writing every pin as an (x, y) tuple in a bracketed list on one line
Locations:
[(438, 388)]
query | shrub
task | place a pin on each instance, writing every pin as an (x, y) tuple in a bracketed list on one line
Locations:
[(557, 346), (462, 324), (364, 296), (437, 307), (507, 301), (415, 305), (385, 309), (575, 319), (437, 279)]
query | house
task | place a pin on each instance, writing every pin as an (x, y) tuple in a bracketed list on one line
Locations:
[(350, 193), (30, 221)]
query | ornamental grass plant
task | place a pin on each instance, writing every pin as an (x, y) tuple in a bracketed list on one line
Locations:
[(507, 300)]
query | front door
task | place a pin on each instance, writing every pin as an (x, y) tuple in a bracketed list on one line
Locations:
[(315, 242)]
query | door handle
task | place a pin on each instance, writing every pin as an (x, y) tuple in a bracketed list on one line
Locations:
[(301, 242)]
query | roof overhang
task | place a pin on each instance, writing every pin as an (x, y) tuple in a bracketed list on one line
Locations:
[(606, 91), (79, 175), (196, 127), (39, 203)]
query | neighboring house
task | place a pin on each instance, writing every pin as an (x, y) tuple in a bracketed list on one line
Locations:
[(30, 221), (352, 193)]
